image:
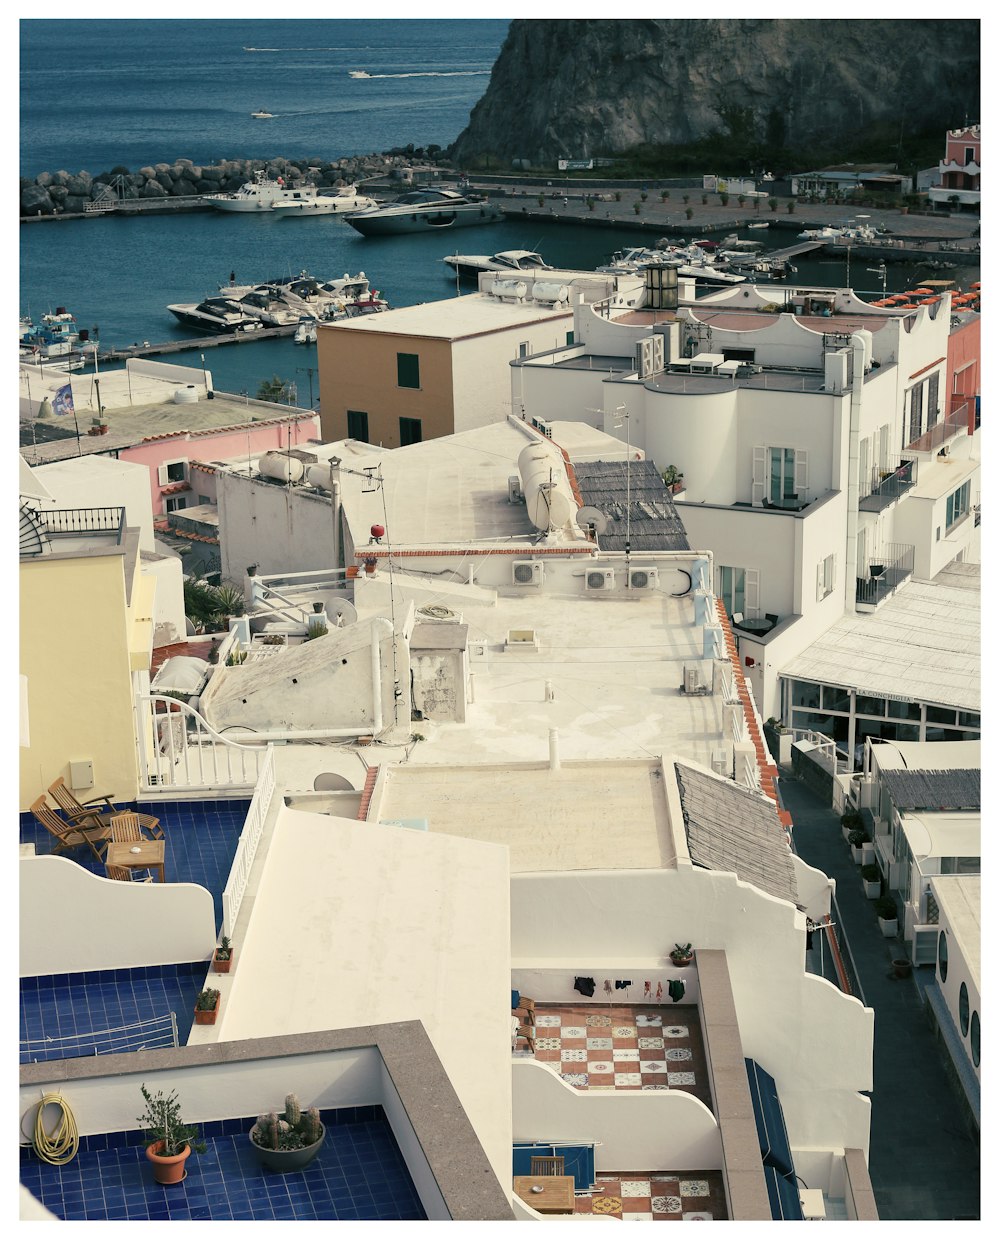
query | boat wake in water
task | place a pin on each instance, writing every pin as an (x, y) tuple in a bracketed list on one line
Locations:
[(360, 73)]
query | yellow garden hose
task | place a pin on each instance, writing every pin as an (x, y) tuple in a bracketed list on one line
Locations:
[(60, 1145)]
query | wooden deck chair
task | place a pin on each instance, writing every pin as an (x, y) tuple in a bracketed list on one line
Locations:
[(68, 834), (76, 811), (541, 1165), (124, 875), (127, 826)]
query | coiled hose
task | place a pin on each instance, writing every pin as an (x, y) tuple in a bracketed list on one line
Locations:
[(59, 1146)]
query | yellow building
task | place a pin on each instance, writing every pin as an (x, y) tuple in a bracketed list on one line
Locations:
[(86, 626)]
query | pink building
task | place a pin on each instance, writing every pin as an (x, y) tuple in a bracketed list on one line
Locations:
[(168, 457), (958, 172)]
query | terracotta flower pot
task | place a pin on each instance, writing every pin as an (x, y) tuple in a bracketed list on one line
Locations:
[(223, 966), (681, 962), (167, 1169), (206, 1016)]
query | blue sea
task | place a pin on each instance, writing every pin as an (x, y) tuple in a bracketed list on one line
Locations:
[(100, 93)]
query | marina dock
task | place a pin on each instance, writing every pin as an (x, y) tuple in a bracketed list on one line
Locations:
[(146, 349)]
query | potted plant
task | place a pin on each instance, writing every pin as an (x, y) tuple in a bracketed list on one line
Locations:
[(885, 910), (681, 955), (288, 1142), (851, 821), (673, 479), (206, 1007), (872, 879), (857, 840), (170, 1141), (222, 960)]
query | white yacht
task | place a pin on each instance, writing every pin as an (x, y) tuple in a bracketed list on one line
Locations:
[(311, 202), (423, 209), (504, 260), (262, 194), (216, 314)]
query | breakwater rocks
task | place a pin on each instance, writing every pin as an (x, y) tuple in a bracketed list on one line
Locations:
[(65, 193)]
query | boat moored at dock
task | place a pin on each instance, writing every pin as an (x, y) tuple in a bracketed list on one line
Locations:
[(504, 260), (263, 194), (216, 314), (423, 209)]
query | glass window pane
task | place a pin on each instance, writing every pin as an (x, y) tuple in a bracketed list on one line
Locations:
[(963, 1009), (805, 694), (904, 710), (968, 718), (935, 714), (870, 706), (835, 698), (974, 1038), (943, 956), (907, 732)]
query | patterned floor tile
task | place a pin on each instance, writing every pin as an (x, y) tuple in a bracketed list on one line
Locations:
[(652, 1065), (599, 1067), (600, 1044), (636, 1217), (627, 1078), (650, 1044), (675, 1031), (599, 1021), (646, 1019), (635, 1188), (678, 1053), (623, 1031), (574, 1031), (548, 1022), (606, 1205), (547, 1044), (625, 1056), (656, 1086), (694, 1188), (572, 1056), (574, 1078), (666, 1205), (680, 1078), (697, 1216)]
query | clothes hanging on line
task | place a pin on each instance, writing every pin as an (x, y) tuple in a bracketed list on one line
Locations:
[(622, 985), (607, 986), (675, 989), (659, 991), (585, 985)]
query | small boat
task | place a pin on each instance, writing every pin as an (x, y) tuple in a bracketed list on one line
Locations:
[(262, 115), (358, 73), (305, 333), (504, 260), (423, 209), (262, 194), (758, 225), (302, 202), (216, 314)]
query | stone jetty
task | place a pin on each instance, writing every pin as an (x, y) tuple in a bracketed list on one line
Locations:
[(66, 193)]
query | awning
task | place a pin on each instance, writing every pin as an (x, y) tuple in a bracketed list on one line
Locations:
[(771, 1134)]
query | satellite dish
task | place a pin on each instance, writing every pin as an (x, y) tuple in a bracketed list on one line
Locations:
[(590, 516), (330, 781), (341, 612)]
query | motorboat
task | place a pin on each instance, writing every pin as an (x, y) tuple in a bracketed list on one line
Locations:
[(305, 333), (262, 115), (423, 209), (312, 202), (692, 261), (358, 73), (505, 260), (286, 300), (267, 304), (216, 314), (55, 335), (263, 194)]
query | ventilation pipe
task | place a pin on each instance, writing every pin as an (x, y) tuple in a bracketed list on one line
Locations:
[(553, 749), (853, 481), (550, 693)]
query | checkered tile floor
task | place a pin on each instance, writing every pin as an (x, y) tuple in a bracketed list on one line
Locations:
[(623, 1046), (656, 1196)]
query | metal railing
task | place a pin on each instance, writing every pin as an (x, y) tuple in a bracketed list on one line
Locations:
[(956, 422), (884, 489), (179, 749), (83, 521), (829, 755), (246, 849), (885, 575), (143, 1035)]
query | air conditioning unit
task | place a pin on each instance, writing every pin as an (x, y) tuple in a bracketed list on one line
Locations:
[(514, 492), (694, 682), (599, 578), (644, 357), (528, 572), (721, 763), (658, 353), (643, 578)]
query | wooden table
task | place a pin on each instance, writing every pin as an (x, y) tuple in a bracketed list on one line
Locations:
[(557, 1193), (145, 855)]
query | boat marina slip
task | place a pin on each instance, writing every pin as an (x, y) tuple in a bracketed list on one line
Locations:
[(264, 194)]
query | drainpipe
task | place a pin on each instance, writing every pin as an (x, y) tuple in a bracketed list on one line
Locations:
[(853, 482), (553, 749), (335, 510)]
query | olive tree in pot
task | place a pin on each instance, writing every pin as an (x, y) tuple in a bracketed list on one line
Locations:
[(169, 1141), (885, 910), (857, 840), (872, 879), (851, 821), (288, 1142)]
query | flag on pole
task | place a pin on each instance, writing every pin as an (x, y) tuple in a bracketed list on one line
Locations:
[(62, 402)]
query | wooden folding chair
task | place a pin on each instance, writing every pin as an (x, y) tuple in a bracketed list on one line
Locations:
[(122, 874), (128, 826), (68, 834), (544, 1165), (76, 811)]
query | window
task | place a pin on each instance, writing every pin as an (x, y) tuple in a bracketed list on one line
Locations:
[(970, 155), (974, 1038), (171, 471), (779, 477), (826, 576), (943, 956), (739, 355), (407, 370), (916, 412), (571, 338), (957, 506), (409, 431), (835, 698), (357, 425), (739, 590), (932, 399), (522, 348), (963, 1009), (205, 499), (174, 503)]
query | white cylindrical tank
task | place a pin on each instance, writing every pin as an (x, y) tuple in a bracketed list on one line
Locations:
[(280, 466), (547, 494), (865, 337), (514, 289), (186, 395), (318, 476), (549, 291)]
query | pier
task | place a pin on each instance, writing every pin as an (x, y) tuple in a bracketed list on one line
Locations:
[(145, 349)]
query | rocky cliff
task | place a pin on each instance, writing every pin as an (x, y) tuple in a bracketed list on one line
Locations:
[(582, 88)]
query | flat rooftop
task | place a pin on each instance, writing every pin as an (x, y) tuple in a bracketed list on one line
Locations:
[(922, 645), (454, 318)]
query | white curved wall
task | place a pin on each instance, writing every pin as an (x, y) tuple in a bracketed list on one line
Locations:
[(72, 920), (698, 434), (662, 1129)]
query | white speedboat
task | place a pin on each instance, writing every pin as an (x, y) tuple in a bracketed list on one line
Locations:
[(262, 194), (423, 209), (313, 202), (262, 115), (216, 314), (305, 333), (505, 260)]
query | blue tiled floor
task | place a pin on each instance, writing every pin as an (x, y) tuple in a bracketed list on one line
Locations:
[(70, 1008), (359, 1174), (201, 839)]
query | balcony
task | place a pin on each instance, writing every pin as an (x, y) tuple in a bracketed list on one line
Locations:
[(886, 488), (39, 528), (956, 423), (885, 576)]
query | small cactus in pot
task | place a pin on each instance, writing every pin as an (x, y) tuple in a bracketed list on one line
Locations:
[(290, 1141)]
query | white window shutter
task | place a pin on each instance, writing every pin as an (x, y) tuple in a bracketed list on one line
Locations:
[(820, 584), (162, 476), (801, 472), (833, 573), (759, 487), (751, 592)]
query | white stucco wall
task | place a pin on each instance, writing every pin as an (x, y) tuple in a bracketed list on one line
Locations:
[(127, 925), (103, 482), (644, 1130), (819, 1050), (168, 606), (279, 530)]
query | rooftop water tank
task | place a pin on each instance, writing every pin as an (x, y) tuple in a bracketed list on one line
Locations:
[(280, 466), (547, 493), (186, 395), (509, 290), (548, 292)]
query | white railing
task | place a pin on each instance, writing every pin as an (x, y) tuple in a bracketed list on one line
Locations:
[(246, 849), (143, 1035), (178, 749), (751, 775)]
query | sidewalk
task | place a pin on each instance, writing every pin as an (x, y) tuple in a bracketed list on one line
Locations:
[(923, 1164)]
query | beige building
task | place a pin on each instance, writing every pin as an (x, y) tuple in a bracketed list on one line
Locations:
[(424, 371)]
